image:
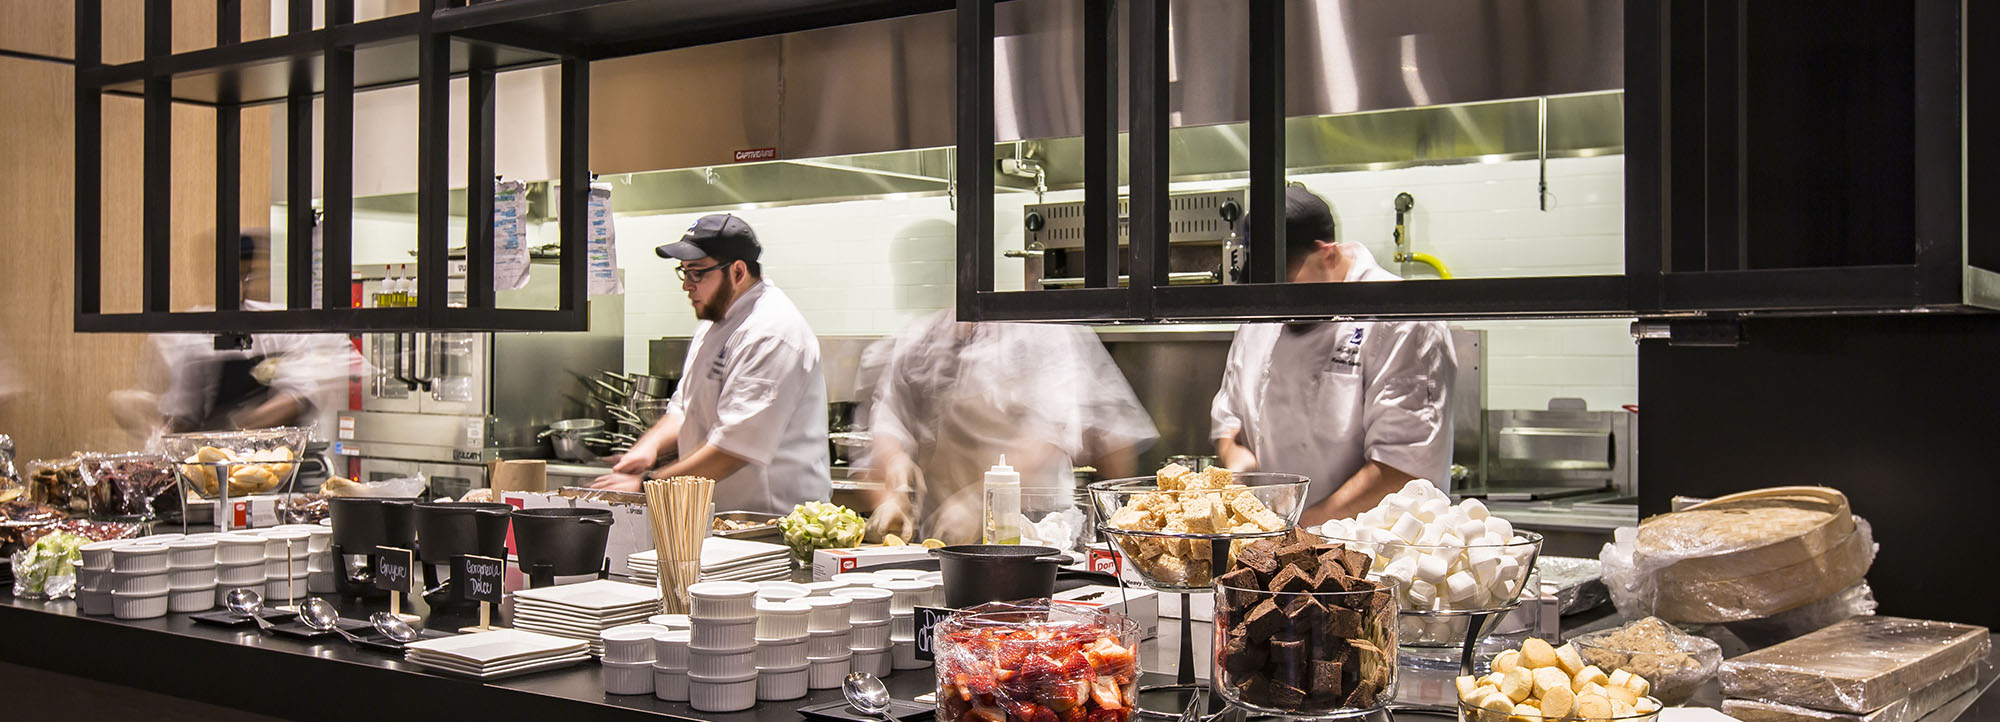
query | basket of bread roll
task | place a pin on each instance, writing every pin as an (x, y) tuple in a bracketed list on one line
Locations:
[(249, 461)]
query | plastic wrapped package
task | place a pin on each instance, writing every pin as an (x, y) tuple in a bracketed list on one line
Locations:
[(58, 483), (1854, 601), (1677, 663), (7, 473), (47, 568), (1744, 556), (1856, 666), (1908, 709), (125, 485), (398, 488), (1028, 661)]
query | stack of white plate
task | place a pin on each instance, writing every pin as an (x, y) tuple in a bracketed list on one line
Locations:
[(498, 653), (723, 560), (584, 611)]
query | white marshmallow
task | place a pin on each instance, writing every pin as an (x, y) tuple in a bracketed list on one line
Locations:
[(1484, 562), (1400, 573), (1625, 535), (1470, 530), (1408, 527), (1432, 568), (1460, 587), (1490, 539), (1372, 519), (1499, 527), (1432, 509), (1394, 505), (1336, 529), (1430, 536), (1450, 539), (1419, 488), (1507, 571), (1473, 508), (1452, 519), (1421, 593)]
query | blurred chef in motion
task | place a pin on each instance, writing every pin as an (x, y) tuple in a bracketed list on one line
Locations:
[(1358, 407), (750, 410), (950, 399), (275, 379)]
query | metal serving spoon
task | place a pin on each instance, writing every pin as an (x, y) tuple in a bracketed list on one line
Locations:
[(394, 627), (868, 694), (319, 614), (247, 603)]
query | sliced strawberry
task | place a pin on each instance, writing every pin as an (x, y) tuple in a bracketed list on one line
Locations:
[(1064, 696), (1020, 711), (986, 714), (1110, 659), (1107, 693), (1079, 713)]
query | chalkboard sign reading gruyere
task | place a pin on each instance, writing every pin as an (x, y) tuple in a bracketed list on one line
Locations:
[(392, 569), (478, 578)]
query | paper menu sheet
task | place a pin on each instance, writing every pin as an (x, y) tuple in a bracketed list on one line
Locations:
[(1857, 665), (510, 236), (602, 255)]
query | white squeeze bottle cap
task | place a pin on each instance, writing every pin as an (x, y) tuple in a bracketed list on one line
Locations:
[(1003, 504)]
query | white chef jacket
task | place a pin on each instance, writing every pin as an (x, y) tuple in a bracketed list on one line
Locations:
[(753, 386), (1324, 399), (311, 366)]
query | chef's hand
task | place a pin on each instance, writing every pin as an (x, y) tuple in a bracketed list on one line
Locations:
[(634, 463), (1234, 456), (899, 475), (615, 481), (891, 516)]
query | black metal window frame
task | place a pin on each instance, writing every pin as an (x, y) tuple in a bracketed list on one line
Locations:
[(293, 69)]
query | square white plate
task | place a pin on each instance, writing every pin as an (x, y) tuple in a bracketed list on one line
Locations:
[(507, 671), (593, 594), (500, 645)]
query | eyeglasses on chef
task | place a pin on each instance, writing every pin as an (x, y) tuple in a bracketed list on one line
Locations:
[(694, 275)]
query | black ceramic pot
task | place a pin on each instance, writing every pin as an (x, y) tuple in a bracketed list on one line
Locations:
[(975, 574), (448, 529), (568, 541), (361, 523)]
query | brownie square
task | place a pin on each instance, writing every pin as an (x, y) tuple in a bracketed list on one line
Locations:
[(1343, 622), (1326, 680), (1261, 555), (1327, 648), (1255, 689), (1286, 696), (1240, 599), (1295, 555), (1292, 580), (1298, 535), (1332, 579), (1305, 612), (1290, 663), (1239, 658), (1356, 563), (1263, 619)]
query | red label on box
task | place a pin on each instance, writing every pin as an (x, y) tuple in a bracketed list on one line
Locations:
[(240, 515), (1105, 561), (848, 564), (755, 154)]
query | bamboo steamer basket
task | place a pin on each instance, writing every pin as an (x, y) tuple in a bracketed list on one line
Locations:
[(1753, 554)]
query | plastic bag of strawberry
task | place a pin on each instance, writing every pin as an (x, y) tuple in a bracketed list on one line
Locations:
[(1032, 662)]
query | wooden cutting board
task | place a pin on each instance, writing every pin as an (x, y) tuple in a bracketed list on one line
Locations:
[(1857, 665)]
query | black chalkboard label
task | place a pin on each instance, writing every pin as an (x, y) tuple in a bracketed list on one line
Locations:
[(477, 578), (927, 619), (392, 569)]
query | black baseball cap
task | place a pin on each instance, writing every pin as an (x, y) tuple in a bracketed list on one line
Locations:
[(720, 236)]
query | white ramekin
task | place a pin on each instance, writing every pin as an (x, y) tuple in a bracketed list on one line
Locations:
[(781, 656), (139, 558), (903, 655), (873, 661), (889, 574), (873, 635), (191, 553), (670, 684), (827, 673), (932, 577), (278, 591), (97, 555), (240, 575), (287, 568), (139, 606), (721, 636), (670, 621), (829, 614), (859, 579), (774, 685), (234, 549), (282, 544), (94, 603), (903, 626), (140, 584), (670, 649), (319, 540), (704, 664), (197, 599), (93, 580), (782, 620), (827, 645), (870, 604), (781, 591), (630, 644), (906, 594), (823, 588), (628, 677), (722, 695), (191, 577), (721, 600)]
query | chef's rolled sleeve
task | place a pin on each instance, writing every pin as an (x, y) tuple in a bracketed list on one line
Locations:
[(759, 395), (1224, 418), (1408, 414)]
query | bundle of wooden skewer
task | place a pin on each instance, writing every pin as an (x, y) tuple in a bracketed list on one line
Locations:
[(679, 508)]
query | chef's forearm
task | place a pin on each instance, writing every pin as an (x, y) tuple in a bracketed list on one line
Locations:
[(1361, 492), (663, 437), (1234, 456), (707, 461)]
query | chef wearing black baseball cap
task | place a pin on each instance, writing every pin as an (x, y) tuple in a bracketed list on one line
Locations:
[(750, 410)]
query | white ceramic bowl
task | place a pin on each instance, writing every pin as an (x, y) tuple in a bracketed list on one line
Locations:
[(903, 626), (235, 549), (197, 599), (932, 577), (823, 588), (222, 592), (670, 621), (281, 591), (873, 661), (670, 684), (889, 574), (781, 656), (906, 594), (189, 578), (873, 635), (870, 604), (282, 544), (781, 591), (859, 579), (827, 673), (139, 606), (631, 644), (829, 614), (903, 655), (933, 595), (191, 553), (670, 649), (775, 685), (140, 583), (827, 645), (286, 568), (703, 664), (93, 580), (725, 695), (94, 603), (139, 558), (628, 677), (162, 537), (319, 540), (97, 555), (719, 636), (782, 620), (721, 600), (240, 575)]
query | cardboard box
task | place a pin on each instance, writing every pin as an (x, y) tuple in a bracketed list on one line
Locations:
[(253, 512), (828, 562), (1142, 605)]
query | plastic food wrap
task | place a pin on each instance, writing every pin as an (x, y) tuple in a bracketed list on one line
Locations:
[(1857, 600), (125, 484), (1677, 663), (47, 568), (1745, 556), (399, 488), (1856, 666), (1031, 662), (7, 473), (1909, 709), (58, 483)]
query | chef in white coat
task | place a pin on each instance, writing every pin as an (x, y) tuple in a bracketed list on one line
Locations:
[(1360, 408), (750, 410)]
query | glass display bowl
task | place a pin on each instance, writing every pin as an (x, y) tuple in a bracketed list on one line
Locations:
[(123, 486), (1677, 665), (1169, 535), (1470, 712), (1033, 660), (251, 461), (1305, 654), (1421, 576)]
